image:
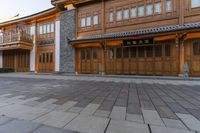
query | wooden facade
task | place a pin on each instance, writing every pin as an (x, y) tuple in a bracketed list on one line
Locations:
[(166, 55), (34, 36)]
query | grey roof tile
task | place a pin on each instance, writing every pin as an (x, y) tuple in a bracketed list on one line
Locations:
[(141, 32)]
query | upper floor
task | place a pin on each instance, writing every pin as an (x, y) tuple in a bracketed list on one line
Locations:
[(96, 17), (37, 29)]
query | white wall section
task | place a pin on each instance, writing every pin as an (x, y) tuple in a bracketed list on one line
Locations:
[(32, 53), (57, 46)]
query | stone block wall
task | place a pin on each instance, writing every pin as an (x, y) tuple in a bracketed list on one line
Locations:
[(67, 31)]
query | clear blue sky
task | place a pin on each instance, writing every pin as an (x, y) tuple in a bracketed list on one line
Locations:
[(10, 8)]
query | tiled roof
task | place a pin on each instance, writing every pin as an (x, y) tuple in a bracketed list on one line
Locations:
[(140, 32)]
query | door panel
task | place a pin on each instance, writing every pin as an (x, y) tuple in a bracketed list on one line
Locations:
[(19, 60), (46, 61), (90, 60)]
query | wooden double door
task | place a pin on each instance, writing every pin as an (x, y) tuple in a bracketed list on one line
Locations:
[(46, 59), (18, 60), (89, 62), (142, 60)]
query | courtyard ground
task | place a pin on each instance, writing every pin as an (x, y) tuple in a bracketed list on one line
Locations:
[(90, 104)]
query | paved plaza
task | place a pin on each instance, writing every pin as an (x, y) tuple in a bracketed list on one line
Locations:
[(90, 104)]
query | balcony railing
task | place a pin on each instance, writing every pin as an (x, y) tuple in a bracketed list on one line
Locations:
[(18, 40), (16, 37)]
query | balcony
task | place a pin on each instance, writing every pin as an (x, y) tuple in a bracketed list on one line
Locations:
[(57, 2), (19, 40)]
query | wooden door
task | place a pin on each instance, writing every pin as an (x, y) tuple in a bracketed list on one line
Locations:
[(90, 60), (19, 60), (158, 53), (95, 60), (46, 61), (8, 59), (193, 57), (83, 60), (23, 61), (170, 59), (141, 60), (149, 60), (133, 60), (126, 60), (110, 60), (118, 61)]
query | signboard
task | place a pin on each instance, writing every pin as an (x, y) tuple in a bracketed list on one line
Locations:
[(132, 42)]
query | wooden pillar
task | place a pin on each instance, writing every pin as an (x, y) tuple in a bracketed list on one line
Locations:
[(103, 56), (181, 58)]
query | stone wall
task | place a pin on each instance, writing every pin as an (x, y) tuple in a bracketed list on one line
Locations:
[(67, 31)]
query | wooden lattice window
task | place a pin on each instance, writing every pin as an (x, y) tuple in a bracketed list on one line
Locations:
[(158, 51), (126, 52), (167, 50), (118, 53), (83, 54), (196, 48), (133, 52), (149, 51), (141, 51)]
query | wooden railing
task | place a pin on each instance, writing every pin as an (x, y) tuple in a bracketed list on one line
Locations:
[(15, 37)]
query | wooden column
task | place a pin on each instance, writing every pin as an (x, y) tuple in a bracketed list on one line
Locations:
[(103, 60), (181, 58)]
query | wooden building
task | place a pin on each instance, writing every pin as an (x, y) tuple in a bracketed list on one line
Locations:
[(28, 43), (143, 37)]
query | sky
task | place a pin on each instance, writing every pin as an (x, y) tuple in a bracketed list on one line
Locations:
[(10, 8)]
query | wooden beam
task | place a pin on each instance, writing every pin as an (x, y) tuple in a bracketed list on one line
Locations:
[(164, 38)]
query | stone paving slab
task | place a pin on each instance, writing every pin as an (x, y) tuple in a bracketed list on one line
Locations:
[(90, 109), (88, 124), (190, 121), (126, 127), (174, 123), (102, 113), (18, 126), (45, 129), (46, 103), (118, 113), (152, 117), (22, 112), (134, 118), (4, 120), (56, 119), (66, 106), (75, 109), (158, 129)]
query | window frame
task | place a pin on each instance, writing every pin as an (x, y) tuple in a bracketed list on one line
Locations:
[(195, 6), (155, 5), (166, 6), (119, 14), (135, 12), (95, 19), (88, 21), (143, 12), (126, 12), (151, 13), (83, 22)]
